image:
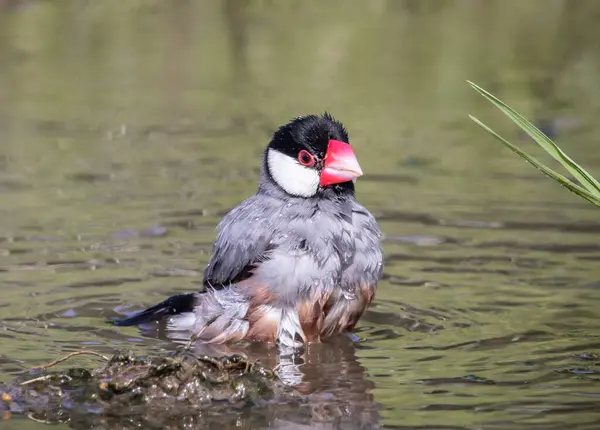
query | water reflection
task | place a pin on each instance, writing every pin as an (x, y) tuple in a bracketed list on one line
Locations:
[(329, 374), (338, 394)]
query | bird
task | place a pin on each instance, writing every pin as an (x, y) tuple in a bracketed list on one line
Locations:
[(297, 262)]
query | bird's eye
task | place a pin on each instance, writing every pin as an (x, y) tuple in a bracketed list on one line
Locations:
[(305, 158)]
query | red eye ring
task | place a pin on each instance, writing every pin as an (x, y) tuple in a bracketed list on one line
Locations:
[(305, 158)]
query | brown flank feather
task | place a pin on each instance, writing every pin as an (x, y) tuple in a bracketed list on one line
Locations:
[(311, 316), (263, 326), (341, 314)]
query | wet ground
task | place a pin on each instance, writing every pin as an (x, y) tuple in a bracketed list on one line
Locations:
[(127, 130)]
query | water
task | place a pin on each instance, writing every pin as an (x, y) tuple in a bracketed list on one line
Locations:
[(128, 129)]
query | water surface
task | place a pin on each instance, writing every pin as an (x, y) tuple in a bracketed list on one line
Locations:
[(127, 130)]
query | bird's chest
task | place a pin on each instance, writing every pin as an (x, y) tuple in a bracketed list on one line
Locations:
[(323, 248), (339, 247)]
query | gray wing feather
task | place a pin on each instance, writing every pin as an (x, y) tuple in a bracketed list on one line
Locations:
[(243, 241)]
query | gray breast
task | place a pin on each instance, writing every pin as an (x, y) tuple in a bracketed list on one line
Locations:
[(307, 252), (319, 245)]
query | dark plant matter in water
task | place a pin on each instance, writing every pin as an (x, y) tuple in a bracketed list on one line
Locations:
[(152, 392)]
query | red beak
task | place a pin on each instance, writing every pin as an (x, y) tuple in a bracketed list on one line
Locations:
[(340, 164)]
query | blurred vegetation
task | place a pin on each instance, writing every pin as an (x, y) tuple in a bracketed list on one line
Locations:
[(391, 69), (88, 85)]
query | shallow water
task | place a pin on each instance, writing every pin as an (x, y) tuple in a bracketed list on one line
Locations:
[(127, 129)]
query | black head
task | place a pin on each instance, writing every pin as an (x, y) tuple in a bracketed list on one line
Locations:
[(311, 155), (310, 132)]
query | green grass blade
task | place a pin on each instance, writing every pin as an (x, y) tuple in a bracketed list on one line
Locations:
[(586, 180), (577, 189)]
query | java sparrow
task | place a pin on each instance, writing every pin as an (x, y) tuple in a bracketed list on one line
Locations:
[(295, 263)]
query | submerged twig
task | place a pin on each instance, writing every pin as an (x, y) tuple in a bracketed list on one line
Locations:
[(193, 338), (39, 378), (60, 360), (72, 354), (37, 420)]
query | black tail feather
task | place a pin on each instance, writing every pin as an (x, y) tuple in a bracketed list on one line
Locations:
[(172, 306)]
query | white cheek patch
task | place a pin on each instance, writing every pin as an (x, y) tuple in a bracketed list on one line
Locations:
[(290, 175)]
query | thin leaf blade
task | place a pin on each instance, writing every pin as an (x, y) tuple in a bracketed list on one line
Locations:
[(577, 189), (586, 180)]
